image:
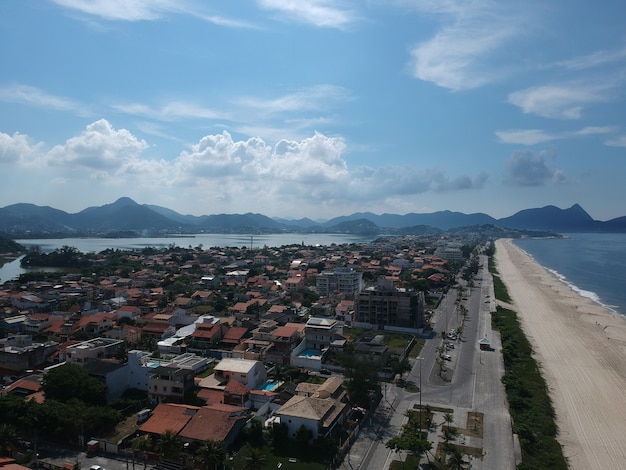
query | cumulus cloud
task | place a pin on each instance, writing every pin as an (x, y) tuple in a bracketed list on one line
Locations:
[(321, 13), (16, 149), (525, 168), (218, 169), (99, 147), (218, 156)]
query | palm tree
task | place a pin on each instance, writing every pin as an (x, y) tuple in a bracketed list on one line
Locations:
[(8, 439), (169, 445), (456, 460), (254, 460), (143, 442), (448, 418), (211, 453)]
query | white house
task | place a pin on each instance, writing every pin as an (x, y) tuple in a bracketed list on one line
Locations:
[(319, 411), (248, 372)]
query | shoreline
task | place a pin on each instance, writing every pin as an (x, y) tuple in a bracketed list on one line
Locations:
[(592, 295), (581, 348)]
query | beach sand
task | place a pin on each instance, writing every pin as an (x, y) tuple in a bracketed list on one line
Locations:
[(581, 348)]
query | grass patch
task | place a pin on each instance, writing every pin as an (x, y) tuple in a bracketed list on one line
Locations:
[(529, 402)]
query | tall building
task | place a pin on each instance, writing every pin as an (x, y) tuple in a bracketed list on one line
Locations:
[(385, 307), (344, 280)]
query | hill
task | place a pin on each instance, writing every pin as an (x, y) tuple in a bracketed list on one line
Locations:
[(129, 218)]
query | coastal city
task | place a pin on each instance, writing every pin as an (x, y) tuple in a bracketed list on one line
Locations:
[(298, 356)]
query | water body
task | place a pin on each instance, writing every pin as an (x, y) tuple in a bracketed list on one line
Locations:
[(594, 265), (13, 269)]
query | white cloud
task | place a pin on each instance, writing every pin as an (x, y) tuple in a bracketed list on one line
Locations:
[(146, 10), (99, 147), (457, 56), (525, 168), (322, 13), (173, 111), (595, 59), (564, 101), (238, 174), (537, 136), (306, 99), (619, 141), (33, 96), (127, 10), (16, 149), (524, 137), (596, 130)]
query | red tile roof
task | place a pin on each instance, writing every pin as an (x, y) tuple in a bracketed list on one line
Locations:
[(210, 424), (169, 416)]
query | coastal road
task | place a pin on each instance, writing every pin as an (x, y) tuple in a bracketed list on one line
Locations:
[(471, 383)]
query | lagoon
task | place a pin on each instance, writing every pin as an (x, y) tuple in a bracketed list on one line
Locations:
[(12, 269)]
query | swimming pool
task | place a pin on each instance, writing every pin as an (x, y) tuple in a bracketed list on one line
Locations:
[(310, 353), (270, 385)]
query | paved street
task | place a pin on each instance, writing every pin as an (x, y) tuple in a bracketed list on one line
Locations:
[(471, 383)]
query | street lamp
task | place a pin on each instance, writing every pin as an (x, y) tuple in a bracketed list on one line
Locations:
[(420, 359)]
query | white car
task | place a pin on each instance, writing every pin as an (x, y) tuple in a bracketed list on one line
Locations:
[(446, 357)]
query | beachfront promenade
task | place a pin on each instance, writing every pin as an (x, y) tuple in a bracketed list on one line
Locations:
[(471, 384)]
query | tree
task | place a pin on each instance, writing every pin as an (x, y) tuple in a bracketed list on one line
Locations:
[(253, 458), (169, 445), (71, 381), (363, 380), (211, 453), (303, 437), (8, 439), (456, 460), (448, 419)]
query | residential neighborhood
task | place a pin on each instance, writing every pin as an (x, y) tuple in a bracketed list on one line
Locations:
[(221, 344)]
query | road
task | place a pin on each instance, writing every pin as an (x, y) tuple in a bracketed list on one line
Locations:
[(470, 383)]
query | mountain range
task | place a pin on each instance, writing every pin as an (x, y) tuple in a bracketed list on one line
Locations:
[(125, 217)]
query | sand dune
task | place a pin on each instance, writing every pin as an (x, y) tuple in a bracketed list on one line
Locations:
[(581, 347)]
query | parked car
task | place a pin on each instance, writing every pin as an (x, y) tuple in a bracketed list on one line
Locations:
[(446, 357), (325, 372)]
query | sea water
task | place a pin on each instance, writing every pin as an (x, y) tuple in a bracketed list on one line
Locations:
[(592, 264)]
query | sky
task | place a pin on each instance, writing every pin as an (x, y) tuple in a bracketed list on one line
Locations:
[(315, 108)]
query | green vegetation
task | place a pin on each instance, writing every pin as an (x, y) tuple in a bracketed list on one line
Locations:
[(529, 402), (9, 246)]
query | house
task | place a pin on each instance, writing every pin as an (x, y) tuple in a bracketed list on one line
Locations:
[(97, 323), (25, 386), (250, 373), (219, 423), (97, 348), (170, 384), (128, 311), (284, 340), (319, 411), (18, 352), (195, 424), (113, 374)]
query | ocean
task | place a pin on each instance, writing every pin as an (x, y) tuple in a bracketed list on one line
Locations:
[(592, 264)]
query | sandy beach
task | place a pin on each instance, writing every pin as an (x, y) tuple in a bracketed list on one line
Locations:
[(581, 347)]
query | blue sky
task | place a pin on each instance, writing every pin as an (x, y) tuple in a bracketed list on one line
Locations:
[(314, 108)]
